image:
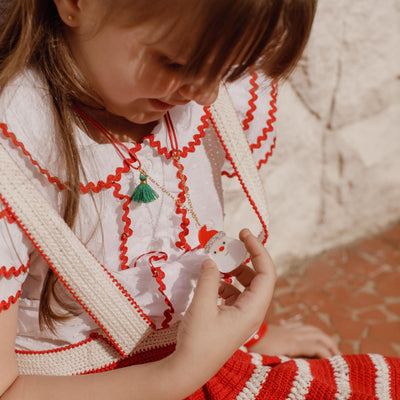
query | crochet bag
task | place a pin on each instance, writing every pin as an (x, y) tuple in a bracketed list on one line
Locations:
[(127, 331)]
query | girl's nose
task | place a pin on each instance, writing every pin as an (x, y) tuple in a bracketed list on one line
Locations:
[(202, 94)]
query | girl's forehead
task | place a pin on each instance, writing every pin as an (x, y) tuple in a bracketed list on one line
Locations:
[(219, 38), (156, 25), (162, 13)]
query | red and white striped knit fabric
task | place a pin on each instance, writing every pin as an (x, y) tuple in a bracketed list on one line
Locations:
[(248, 376)]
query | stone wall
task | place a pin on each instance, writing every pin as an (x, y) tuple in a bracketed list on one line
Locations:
[(335, 174)]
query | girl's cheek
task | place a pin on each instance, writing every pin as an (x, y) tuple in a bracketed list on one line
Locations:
[(165, 82)]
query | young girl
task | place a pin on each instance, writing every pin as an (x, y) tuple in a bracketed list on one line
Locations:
[(104, 107)]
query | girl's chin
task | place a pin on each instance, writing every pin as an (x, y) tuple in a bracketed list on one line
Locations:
[(146, 117), (138, 117)]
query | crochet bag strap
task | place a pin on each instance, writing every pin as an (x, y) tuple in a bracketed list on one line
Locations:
[(230, 132), (108, 304)]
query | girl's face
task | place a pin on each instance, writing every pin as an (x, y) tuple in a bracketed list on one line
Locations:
[(135, 70)]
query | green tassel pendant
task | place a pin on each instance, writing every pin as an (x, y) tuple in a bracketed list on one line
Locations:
[(143, 193)]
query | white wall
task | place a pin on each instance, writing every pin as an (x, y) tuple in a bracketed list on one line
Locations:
[(335, 174)]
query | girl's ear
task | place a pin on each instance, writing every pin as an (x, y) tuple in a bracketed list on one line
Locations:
[(69, 11)]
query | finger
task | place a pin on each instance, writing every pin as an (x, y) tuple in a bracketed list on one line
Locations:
[(326, 341), (321, 352), (228, 292), (334, 348), (206, 292), (265, 278), (256, 297), (316, 335), (244, 274), (259, 256)]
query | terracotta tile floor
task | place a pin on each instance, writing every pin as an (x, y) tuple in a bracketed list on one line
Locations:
[(352, 293)]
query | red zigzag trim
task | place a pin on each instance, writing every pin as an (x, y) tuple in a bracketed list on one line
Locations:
[(127, 230), (270, 121), (159, 275), (5, 305), (50, 178), (189, 148), (254, 97), (6, 273)]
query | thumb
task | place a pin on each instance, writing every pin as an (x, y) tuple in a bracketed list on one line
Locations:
[(206, 292)]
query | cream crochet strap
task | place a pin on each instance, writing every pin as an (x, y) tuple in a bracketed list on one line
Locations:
[(230, 132), (97, 291), (94, 355), (85, 277)]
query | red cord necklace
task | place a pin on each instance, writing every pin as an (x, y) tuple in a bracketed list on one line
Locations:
[(143, 193)]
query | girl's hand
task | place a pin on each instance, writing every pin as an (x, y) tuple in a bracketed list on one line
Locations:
[(210, 333), (294, 339)]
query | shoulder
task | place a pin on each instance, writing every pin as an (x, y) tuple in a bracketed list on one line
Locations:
[(27, 123), (250, 94), (254, 98), (25, 99)]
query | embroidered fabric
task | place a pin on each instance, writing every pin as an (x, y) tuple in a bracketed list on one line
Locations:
[(139, 240)]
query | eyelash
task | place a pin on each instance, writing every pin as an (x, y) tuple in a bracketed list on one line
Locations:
[(171, 64)]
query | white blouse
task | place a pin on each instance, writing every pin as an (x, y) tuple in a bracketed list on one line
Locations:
[(151, 249)]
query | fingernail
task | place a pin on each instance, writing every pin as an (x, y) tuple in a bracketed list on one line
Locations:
[(246, 232), (207, 264)]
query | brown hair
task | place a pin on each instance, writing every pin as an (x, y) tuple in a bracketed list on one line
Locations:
[(269, 35)]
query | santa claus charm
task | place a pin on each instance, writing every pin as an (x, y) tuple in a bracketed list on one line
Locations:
[(228, 253)]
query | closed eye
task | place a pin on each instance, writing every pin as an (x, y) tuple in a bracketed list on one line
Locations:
[(171, 64)]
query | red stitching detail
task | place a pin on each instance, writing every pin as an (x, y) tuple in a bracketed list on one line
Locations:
[(228, 156), (159, 275), (143, 255), (85, 188), (116, 177), (254, 97), (6, 273), (266, 130), (50, 178), (5, 214), (130, 299), (225, 173), (269, 154), (93, 336), (270, 120), (182, 244), (5, 305), (189, 148), (127, 230), (119, 286)]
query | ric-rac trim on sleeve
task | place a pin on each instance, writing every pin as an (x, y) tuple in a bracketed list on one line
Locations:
[(5, 304), (269, 123), (253, 99), (52, 179), (85, 187), (271, 120)]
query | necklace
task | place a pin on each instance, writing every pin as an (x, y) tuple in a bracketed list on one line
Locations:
[(143, 193), (227, 252)]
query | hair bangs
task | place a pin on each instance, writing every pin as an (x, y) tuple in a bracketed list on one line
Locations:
[(231, 37)]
